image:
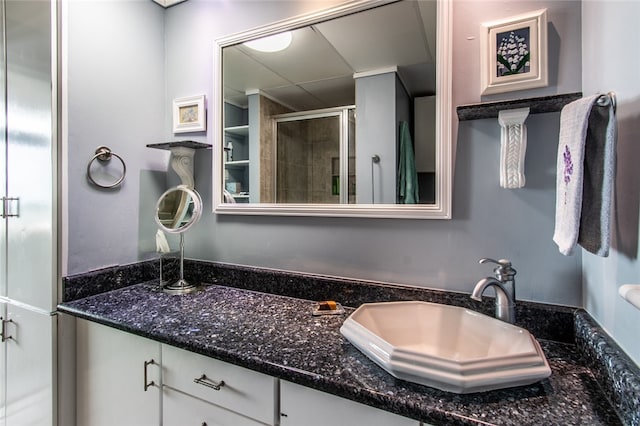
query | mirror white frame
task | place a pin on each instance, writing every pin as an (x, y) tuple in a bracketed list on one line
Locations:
[(441, 209), (195, 214)]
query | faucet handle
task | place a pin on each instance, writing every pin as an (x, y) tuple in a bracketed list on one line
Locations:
[(504, 269), (502, 262)]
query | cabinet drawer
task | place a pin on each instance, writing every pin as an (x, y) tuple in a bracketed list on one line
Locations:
[(300, 405), (179, 409), (244, 391)]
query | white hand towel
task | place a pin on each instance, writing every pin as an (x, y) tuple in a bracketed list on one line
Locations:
[(574, 120), (580, 134), (162, 246)]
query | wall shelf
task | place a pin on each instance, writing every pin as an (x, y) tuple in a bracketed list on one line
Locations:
[(538, 105), (238, 130), (185, 144), (237, 163), (181, 159)]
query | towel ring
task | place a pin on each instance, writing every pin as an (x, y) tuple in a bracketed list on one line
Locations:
[(103, 154)]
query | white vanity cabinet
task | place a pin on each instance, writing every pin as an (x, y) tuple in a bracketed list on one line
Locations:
[(302, 406), (118, 384), (180, 409), (201, 390), (27, 360), (113, 377)]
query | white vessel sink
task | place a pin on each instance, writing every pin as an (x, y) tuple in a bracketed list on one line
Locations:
[(446, 347)]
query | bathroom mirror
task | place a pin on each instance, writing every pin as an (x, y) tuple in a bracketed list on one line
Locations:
[(177, 210), (350, 77)]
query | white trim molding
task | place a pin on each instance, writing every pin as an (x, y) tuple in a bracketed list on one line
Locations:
[(441, 209)]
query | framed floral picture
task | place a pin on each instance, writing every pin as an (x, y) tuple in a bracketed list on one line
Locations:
[(189, 114), (514, 53)]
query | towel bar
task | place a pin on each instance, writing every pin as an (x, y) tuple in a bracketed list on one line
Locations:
[(608, 99)]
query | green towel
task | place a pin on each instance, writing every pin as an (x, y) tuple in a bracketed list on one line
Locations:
[(407, 175)]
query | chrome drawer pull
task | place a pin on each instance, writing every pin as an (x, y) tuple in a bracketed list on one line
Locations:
[(3, 330), (204, 381)]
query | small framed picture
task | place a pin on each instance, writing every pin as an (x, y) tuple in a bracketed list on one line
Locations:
[(189, 114), (514, 53)]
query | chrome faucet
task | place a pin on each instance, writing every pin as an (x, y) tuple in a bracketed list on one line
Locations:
[(505, 286)]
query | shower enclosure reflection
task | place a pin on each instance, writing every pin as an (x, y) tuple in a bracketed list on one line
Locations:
[(315, 157)]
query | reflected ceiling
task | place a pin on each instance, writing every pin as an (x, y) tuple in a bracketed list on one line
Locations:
[(304, 79)]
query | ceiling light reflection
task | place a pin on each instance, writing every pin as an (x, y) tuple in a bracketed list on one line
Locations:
[(272, 43)]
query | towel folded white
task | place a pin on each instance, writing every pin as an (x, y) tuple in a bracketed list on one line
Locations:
[(162, 246), (585, 170)]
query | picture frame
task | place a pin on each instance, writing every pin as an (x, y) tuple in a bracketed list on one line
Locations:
[(189, 114), (514, 53)]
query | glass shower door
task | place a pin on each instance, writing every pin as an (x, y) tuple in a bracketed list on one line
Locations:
[(315, 162)]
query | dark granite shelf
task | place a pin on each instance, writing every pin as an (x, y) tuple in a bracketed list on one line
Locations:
[(538, 105), (186, 144)]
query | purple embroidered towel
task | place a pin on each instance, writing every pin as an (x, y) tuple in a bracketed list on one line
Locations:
[(584, 154), (574, 120)]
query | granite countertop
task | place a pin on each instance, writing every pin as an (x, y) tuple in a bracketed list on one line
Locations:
[(277, 335)]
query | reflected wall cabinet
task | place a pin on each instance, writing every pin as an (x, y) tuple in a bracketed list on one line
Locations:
[(236, 153)]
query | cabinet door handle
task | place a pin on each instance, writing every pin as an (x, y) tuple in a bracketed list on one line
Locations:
[(3, 330), (10, 207), (148, 384), (204, 381)]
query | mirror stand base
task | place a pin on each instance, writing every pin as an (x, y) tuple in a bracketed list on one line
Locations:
[(180, 287)]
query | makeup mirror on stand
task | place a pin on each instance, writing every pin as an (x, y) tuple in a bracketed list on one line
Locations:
[(177, 210)]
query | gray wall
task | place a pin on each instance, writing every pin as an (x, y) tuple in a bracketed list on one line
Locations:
[(487, 220), (115, 97), (605, 24)]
